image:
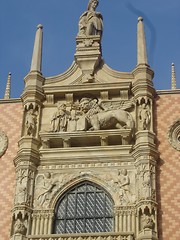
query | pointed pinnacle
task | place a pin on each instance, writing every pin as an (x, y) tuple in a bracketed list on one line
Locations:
[(8, 87), (141, 43), (173, 77), (37, 51)]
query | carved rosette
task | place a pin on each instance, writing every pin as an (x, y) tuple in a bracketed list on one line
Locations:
[(3, 143), (174, 135)]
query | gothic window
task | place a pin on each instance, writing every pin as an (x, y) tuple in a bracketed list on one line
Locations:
[(84, 208)]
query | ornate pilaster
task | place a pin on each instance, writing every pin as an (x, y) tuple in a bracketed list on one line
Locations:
[(27, 159)]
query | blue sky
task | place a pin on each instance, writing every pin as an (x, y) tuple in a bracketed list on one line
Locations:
[(19, 18)]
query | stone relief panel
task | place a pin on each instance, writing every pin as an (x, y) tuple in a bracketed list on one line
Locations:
[(121, 183), (146, 182), (24, 187), (3, 143), (88, 114), (174, 135), (46, 185)]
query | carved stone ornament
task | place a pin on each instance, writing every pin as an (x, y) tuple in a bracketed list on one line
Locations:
[(3, 142), (19, 227), (91, 22), (174, 135), (88, 114)]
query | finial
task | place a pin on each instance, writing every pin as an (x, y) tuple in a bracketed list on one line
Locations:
[(39, 26), (8, 87), (37, 52), (141, 43), (173, 77), (140, 19)]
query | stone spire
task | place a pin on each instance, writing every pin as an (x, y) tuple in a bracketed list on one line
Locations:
[(37, 52), (173, 77), (8, 87), (141, 43)]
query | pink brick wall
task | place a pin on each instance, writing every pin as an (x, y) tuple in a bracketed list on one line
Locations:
[(10, 123), (167, 112)]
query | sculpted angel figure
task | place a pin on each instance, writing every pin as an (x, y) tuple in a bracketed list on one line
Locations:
[(91, 22)]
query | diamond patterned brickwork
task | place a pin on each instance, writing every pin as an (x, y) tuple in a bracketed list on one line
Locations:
[(167, 112), (10, 123)]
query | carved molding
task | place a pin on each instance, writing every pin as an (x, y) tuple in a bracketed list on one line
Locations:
[(3, 143), (174, 135)]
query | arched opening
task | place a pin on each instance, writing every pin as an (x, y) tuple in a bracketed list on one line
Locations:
[(84, 208)]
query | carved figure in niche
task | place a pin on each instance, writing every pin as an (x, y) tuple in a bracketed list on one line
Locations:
[(59, 119), (91, 22), (124, 185), (148, 222), (19, 227), (30, 123), (46, 189), (147, 184), (144, 117), (99, 118)]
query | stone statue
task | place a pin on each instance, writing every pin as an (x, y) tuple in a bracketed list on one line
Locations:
[(144, 117), (30, 123), (59, 119), (91, 22), (148, 222)]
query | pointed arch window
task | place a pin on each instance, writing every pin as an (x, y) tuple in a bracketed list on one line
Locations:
[(84, 208)]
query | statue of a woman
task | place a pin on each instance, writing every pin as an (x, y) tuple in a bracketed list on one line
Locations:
[(91, 22)]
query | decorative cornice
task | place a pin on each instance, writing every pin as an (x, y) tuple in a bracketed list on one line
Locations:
[(167, 92), (12, 100)]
